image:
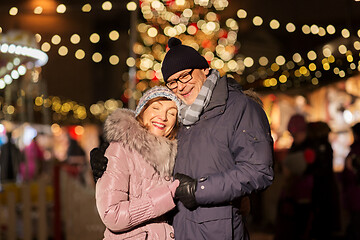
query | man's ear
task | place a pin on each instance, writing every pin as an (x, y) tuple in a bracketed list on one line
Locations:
[(206, 71)]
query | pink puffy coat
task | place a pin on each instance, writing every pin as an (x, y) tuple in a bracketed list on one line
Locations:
[(133, 194)]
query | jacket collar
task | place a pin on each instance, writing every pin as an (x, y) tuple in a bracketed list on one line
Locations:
[(218, 99), (121, 126)]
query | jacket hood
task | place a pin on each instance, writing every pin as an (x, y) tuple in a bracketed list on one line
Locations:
[(160, 152)]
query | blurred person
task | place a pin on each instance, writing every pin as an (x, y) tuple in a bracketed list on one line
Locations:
[(294, 214), (10, 159), (34, 157), (136, 190), (76, 164), (351, 186), (225, 148), (326, 194)]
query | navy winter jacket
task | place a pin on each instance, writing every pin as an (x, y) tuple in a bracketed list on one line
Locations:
[(230, 153)]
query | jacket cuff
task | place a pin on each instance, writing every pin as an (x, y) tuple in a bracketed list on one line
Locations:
[(162, 200)]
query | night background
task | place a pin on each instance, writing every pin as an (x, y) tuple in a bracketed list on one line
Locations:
[(66, 65)]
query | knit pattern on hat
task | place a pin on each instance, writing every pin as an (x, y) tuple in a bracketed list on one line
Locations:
[(157, 91), (181, 57)]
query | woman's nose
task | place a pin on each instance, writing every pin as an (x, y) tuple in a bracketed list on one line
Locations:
[(163, 115)]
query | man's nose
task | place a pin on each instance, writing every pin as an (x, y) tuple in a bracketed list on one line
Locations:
[(181, 85)]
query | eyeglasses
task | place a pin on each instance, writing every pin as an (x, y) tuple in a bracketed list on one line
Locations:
[(186, 77)]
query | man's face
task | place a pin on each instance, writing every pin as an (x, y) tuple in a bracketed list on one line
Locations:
[(188, 92)]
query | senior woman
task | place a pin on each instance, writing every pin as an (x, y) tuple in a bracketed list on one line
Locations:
[(136, 190)]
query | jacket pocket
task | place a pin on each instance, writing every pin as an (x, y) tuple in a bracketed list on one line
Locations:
[(138, 236), (203, 214)]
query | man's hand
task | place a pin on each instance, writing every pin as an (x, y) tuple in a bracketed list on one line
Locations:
[(98, 161), (185, 192)]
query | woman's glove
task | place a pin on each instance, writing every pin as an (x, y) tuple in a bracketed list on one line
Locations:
[(98, 161), (185, 192)]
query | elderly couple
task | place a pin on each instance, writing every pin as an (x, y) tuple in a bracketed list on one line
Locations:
[(203, 130)]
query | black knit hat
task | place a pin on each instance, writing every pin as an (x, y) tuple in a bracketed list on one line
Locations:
[(181, 57)]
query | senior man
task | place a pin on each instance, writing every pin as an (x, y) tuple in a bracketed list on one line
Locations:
[(225, 148)]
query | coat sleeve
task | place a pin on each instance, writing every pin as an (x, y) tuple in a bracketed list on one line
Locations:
[(116, 210), (251, 146)]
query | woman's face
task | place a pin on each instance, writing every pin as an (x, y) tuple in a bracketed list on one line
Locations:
[(160, 117)]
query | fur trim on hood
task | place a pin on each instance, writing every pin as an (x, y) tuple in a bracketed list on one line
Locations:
[(160, 152)]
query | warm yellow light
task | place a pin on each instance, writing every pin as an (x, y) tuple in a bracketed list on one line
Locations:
[(114, 60), (331, 59), (257, 21), (106, 6), (38, 10), (342, 49), (37, 37), (187, 13), (345, 33), (180, 2), (312, 66), (191, 29), (80, 54), (10, 109), (303, 70), (96, 57), (13, 11), (280, 60), (326, 66), (61, 8), (273, 82), (322, 31), (274, 24), (152, 32), (63, 51), (290, 27), (266, 83), (79, 130), (86, 8), (263, 61), (56, 39), (45, 46), (330, 29), (315, 81), (311, 55), (306, 29), (283, 79), (314, 29), (114, 35), (94, 38), (274, 67), (39, 101), (297, 73), (248, 62), (241, 13), (75, 38), (327, 52), (357, 45), (130, 61), (131, 6)]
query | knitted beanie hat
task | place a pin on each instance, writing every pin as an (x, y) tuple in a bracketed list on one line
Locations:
[(297, 123), (181, 57), (157, 91)]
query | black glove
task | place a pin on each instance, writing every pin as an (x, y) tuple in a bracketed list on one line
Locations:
[(98, 161), (185, 192)]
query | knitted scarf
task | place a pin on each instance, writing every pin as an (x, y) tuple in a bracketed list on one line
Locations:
[(189, 114)]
